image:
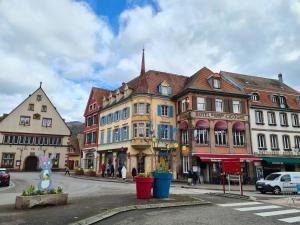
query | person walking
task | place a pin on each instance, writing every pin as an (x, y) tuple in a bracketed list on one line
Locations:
[(133, 172), (107, 170), (124, 171), (67, 170), (120, 171), (103, 169), (112, 170)]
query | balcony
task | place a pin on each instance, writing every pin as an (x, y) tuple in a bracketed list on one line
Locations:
[(140, 143), (138, 117)]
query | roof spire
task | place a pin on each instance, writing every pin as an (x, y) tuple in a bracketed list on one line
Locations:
[(41, 84), (143, 63)]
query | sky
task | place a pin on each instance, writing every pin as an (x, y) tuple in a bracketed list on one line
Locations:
[(73, 45)]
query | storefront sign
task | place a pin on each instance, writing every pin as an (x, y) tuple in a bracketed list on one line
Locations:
[(231, 166), (225, 116)]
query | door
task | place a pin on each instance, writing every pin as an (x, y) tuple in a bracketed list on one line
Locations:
[(286, 183), (31, 163)]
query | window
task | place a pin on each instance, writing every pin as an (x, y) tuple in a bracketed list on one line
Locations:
[(274, 99), (116, 135), (201, 136), (125, 113), (125, 93), (141, 129), (148, 108), (236, 105), (185, 164), (25, 120), (31, 107), (283, 119), (102, 137), (255, 97), (282, 102), (135, 130), (36, 116), (8, 160), (141, 108), (124, 133), (184, 105), (286, 142), (95, 119), (90, 138), (164, 132), (238, 138), (261, 142), (164, 110), (297, 142), (219, 105), (108, 135), (295, 120), (285, 178), (44, 108), (221, 137), (117, 116), (216, 83), (164, 90), (39, 98), (184, 137), (200, 103), (271, 118), (47, 122), (259, 117), (274, 142), (6, 139), (91, 107), (148, 129)]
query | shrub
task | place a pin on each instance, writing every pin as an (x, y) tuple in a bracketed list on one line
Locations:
[(144, 175), (31, 191), (79, 171)]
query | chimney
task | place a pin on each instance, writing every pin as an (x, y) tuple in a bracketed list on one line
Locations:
[(280, 78)]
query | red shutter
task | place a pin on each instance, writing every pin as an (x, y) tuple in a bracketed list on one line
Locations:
[(194, 103)]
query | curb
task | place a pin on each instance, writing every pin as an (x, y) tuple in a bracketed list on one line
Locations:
[(103, 180), (115, 211), (228, 195), (208, 188)]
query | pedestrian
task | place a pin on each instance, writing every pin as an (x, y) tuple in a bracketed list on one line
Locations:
[(124, 171), (103, 169), (107, 170), (67, 170), (133, 172), (119, 171), (195, 178), (190, 177), (112, 170)]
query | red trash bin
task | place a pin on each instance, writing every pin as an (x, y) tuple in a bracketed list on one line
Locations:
[(143, 187)]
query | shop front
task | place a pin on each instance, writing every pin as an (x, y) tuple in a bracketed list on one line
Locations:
[(277, 164)]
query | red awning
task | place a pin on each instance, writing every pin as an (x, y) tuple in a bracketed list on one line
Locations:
[(220, 157), (202, 124), (183, 125), (221, 125), (238, 126)]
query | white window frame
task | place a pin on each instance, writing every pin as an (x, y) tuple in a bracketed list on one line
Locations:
[(219, 105), (274, 142), (164, 110), (141, 130), (297, 142), (236, 106), (286, 142), (185, 164), (261, 142), (259, 117), (284, 119), (200, 103), (201, 136), (295, 120), (216, 83), (271, 118), (184, 103), (185, 137), (221, 137), (238, 138), (255, 97), (164, 90)]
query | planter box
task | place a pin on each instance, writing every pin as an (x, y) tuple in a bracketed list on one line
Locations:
[(25, 202), (162, 184), (143, 187)]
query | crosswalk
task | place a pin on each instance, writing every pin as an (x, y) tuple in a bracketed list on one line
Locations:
[(266, 210)]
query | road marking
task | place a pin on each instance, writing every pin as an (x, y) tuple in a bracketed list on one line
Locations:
[(239, 204), (291, 219), (279, 212), (258, 208)]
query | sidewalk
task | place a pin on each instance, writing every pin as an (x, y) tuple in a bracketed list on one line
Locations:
[(82, 208), (247, 188)]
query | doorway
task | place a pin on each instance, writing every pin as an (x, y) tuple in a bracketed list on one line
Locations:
[(31, 163)]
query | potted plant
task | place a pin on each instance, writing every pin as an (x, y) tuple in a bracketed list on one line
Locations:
[(144, 184), (162, 182)]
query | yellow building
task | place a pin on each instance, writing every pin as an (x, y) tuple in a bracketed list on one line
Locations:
[(138, 124)]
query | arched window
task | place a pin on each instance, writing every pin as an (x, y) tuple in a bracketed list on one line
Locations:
[(201, 132), (238, 132), (221, 133), (255, 97)]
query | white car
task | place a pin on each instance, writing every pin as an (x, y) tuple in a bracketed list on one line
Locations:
[(279, 182)]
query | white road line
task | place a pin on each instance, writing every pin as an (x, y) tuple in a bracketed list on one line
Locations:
[(239, 204), (291, 219), (279, 212), (258, 208)]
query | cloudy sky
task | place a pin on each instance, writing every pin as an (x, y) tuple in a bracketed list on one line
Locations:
[(74, 45)]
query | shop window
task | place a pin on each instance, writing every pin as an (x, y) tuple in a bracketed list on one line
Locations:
[(8, 160)]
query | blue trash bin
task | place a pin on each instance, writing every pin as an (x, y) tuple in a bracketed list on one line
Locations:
[(298, 188), (161, 186)]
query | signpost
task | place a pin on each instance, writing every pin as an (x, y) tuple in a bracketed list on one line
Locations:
[(232, 167)]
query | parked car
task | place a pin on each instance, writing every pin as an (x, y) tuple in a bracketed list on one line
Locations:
[(4, 177), (279, 182)]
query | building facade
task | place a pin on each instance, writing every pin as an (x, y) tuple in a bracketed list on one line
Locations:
[(274, 120), (91, 129), (213, 124), (32, 129)]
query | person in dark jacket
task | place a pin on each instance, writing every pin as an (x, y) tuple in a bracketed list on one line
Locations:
[(112, 170), (195, 178), (133, 172), (103, 169), (119, 170)]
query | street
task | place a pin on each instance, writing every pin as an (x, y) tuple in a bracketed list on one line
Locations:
[(88, 198)]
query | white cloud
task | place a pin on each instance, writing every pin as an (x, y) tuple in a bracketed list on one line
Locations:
[(59, 42)]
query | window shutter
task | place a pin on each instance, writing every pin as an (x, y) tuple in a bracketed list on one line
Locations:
[(159, 131), (230, 106), (127, 134), (226, 104), (108, 136), (128, 112), (113, 136), (179, 106), (243, 106), (194, 103), (209, 104), (120, 134), (160, 89), (159, 110), (170, 111), (171, 132)]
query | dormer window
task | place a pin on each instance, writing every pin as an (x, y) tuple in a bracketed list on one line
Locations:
[(282, 102), (216, 83), (298, 100), (274, 98), (255, 97), (165, 88)]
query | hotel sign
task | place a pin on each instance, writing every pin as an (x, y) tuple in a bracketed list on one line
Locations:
[(224, 116)]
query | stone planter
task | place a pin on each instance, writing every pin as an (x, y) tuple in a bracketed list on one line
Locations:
[(25, 202)]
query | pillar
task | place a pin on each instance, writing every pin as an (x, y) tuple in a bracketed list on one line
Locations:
[(230, 137), (212, 136)]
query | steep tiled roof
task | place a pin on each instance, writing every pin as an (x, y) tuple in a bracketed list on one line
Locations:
[(200, 81), (265, 87), (99, 93)]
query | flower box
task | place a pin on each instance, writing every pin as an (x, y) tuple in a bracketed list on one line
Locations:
[(25, 202)]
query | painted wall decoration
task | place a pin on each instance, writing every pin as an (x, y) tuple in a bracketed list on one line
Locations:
[(45, 182)]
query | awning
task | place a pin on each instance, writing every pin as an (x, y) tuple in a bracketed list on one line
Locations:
[(183, 125), (221, 125), (238, 126), (281, 160), (233, 157), (202, 124)]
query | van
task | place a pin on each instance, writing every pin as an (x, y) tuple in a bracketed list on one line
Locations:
[(279, 182)]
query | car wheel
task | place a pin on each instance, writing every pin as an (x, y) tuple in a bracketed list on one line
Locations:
[(277, 190)]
